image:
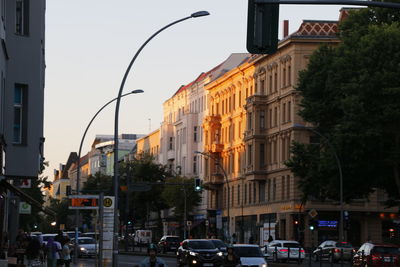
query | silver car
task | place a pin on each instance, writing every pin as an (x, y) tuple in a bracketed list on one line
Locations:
[(284, 250), (87, 246)]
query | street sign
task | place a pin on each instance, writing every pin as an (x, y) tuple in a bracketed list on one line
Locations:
[(24, 208), (83, 202), (313, 213), (108, 202)]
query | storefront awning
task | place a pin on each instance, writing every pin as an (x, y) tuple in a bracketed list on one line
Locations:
[(26, 197)]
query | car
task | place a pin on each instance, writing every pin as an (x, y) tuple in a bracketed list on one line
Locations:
[(284, 250), (169, 243), (219, 244), (87, 246), (334, 251), (143, 237), (377, 255), (71, 234), (250, 255), (91, 234), (46, 237), (199, 252)]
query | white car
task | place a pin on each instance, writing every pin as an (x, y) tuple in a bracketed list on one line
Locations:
[(87, 246), (46, 237), (250, 255), (284, 250)]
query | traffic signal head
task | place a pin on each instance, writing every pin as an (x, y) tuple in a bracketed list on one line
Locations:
[(312, 227), (262, 27), (197, 185)]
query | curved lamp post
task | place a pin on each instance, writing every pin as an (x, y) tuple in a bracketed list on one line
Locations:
[(227, 184), (116, 125), (78, 170), (341, 227)]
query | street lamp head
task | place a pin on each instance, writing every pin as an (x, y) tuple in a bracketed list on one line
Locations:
[(200, 14), (137, 91)]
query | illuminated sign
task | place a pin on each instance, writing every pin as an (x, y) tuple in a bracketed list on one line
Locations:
[(83, 202), (328, 224)]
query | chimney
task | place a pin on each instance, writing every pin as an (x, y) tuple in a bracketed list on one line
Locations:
[(285, 28)]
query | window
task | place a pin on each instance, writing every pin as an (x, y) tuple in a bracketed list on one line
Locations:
[(289, 111), (289, 75), (195, 134), (275, 82), (249, 121), (284, 112), (284, 77), (270, 118), (261, 191), (288, 187), (269, 190), (274, 189), (22, 17), (250, 160), (20, 113), (270, 84), (245, 194), (254, 193), (283, 188), (262, 119), (275, 116), (240, 98), (250, 189), (234, 101), (171, 139), (262, 155), (262, 91), (195, 164), (238, 195)]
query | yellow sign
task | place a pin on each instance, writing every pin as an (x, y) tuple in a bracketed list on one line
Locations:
[(107, 202)]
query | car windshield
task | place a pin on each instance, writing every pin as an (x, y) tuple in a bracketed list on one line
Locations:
[(248, 251), (386, 250), (291, 245), (343, 245), (172, 239), (218, 243), (201, 244), (86, 241), (47, 237)]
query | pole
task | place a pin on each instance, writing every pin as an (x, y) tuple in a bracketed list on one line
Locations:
[(78, 168), (184, 214), (116, 125), (217, 163), (101, 231)]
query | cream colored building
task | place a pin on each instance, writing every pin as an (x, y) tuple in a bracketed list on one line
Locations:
[(149, 144), (251, 123)]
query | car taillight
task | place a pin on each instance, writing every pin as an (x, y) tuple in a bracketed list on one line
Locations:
[(375, 257), (283, 250), (180, 243), (337, 250), (302, 251)]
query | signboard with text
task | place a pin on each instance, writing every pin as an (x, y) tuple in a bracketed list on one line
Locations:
[(83, 202)]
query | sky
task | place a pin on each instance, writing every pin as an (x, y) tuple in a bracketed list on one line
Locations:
[(89, 44)]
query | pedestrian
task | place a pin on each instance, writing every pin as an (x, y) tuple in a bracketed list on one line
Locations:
[(152, 260), (231, 259), (33, 252), (234, 238), (66, 253), (53, 249), (270, 239)]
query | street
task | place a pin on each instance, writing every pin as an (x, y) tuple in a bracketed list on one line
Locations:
[(131, 260)]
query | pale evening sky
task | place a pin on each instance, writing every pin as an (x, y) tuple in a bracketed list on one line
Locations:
[(89, 44)]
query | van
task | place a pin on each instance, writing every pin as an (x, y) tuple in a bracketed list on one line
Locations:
[(143, 237)]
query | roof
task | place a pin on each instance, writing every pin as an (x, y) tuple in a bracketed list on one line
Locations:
[(317, 28), (234, 60)]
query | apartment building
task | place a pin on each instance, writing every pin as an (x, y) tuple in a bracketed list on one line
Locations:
[(149, 144), (22, 68)]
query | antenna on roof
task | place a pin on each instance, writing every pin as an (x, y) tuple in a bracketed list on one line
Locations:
[(149, 125)]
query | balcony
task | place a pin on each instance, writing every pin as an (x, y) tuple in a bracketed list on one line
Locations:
[(213, 180), (217, 148)]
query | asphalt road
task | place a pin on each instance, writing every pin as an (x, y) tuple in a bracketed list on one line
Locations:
[(132, 260)]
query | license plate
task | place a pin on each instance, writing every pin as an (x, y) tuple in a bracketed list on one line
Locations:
[(208, 264), (173, 247), (386, 259)]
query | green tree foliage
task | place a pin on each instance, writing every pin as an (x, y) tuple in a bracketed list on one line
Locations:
[(98, 183), (174, 195), (351, 93)]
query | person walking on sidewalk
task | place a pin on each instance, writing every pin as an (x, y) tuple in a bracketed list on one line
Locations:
[(152, 260), (65, 252)]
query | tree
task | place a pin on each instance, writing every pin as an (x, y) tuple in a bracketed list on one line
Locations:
[(351, 93), (171, 192)]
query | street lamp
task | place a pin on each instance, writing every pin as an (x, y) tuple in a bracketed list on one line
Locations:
[(227, 184), (341, 227), (78, 170), (116, 125)]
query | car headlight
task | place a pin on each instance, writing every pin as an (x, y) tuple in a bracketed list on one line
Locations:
[(263, 265), (82, 248), (191, 253), (220, 254)]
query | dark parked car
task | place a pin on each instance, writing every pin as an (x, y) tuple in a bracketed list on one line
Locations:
[(334, 251), (377, 255), (169, 243), (199, 252)]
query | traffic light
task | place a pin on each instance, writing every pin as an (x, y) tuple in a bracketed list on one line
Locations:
[(197, 184), (346, 217), (313, 225), (262, 27)]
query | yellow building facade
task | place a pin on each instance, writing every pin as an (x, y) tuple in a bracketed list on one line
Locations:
[(253, 113), (150, 144)]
